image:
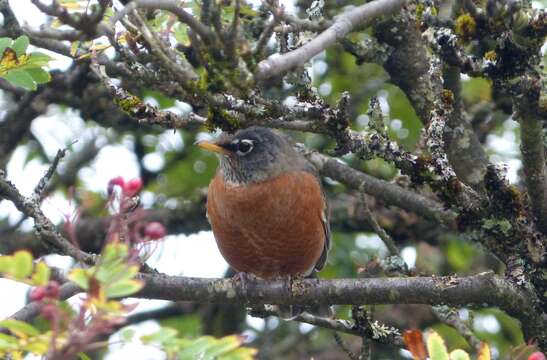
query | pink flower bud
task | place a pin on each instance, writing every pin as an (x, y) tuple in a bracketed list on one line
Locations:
[(49, 311), (38, 293), (537, 356), (154, 230), (117, 181), (52, 289), (132, 187)]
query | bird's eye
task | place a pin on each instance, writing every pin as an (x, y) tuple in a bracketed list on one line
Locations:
[(244, 146)]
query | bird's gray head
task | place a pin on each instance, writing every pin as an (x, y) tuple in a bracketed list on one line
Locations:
[(254, 154)]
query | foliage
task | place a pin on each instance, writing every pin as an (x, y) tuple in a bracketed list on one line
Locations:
[(436, 348), (21, 68), (73, 330)]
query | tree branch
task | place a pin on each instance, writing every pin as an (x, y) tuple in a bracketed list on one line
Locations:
[(390, 193), (485, 289), (533, 149), (344, 24), (172, 6), (44, 227)]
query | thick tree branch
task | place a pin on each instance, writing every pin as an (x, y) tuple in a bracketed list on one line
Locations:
[(532, 148), (360, 16), (409, 67), (481, 290), (485, 289)]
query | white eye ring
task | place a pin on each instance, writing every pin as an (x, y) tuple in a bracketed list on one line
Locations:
[(244, 146)]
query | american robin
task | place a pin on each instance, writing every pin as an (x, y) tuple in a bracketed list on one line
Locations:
[(266, 206)]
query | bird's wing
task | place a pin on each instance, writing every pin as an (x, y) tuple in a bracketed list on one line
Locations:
[(326, 229)]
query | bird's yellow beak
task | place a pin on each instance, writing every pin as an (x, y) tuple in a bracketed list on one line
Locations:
[(209, 146)]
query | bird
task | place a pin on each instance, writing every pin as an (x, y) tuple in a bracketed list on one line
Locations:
[(266, 206)]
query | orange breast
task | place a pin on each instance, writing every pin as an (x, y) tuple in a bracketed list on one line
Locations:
[(271, 228)]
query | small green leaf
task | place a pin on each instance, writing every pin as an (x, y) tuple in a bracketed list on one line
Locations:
[(4, 43), (74, 48), (80, 277), (181, 34), (6, 264), (20, 45), (19, 327), (127, 334), (8, 339), (40, 346), (41, 274), (22, 261), (83, 356), (37, 59), (123, 288), (159, 337), (20, 78), (436, 347), (459, 354), (196, 349), (223, 346), (39, 75)]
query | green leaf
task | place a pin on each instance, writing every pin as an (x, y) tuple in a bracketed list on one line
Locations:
[(127, 334), (83, 356), (246, 10), (41, 274), (80, 277), (436, 347), (40, 346), (19, 328), (459, 354), (7, 339), (39, 75), (196, 349), (22, 261), (6, 264), (8, 343), (161, 336), (181, 34), (74, 48), (223, 346), (207, 347), (123, 288), (20, 78), (20, 45), (36, 60), (4, 43)]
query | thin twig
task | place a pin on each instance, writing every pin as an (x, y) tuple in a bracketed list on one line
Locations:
[(173, 6), (344, 347), (142, 112), (388, 241), (450, 317), (44, 228), (44, 181)]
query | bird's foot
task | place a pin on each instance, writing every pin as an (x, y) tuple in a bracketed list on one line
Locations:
[(244, 279)]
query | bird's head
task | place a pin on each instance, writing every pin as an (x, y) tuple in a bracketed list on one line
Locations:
[(253, 155)]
